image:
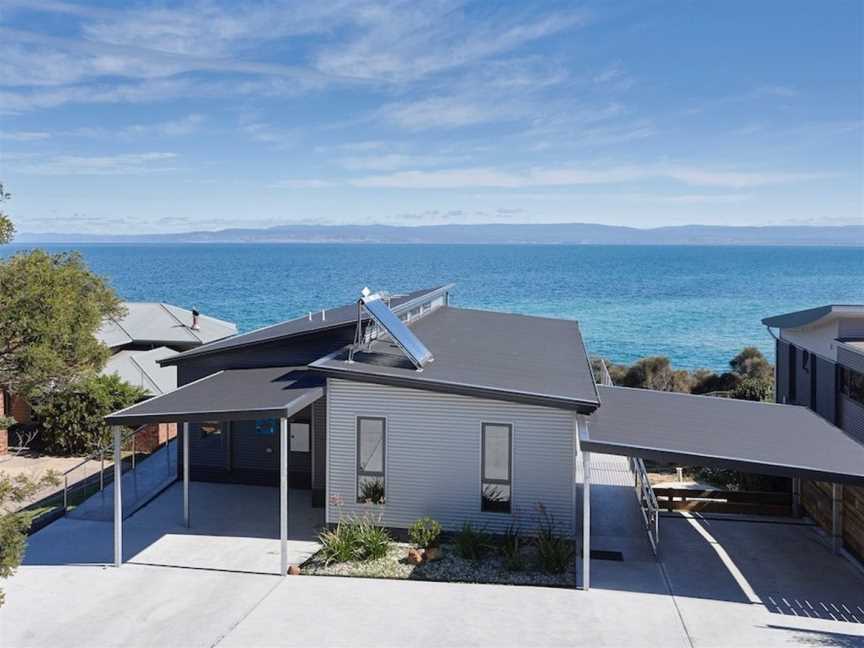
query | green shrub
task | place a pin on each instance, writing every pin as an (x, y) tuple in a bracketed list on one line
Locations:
[(340, 543), (373, 540), (471, 543), (554, 552), (425, 532), (511, 549), (372, 492), (72, 419), (358, 539)]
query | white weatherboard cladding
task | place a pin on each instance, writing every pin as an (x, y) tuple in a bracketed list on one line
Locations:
[(432, 457)]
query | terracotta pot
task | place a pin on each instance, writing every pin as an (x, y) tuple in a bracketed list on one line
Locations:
[(433, 553), (293, 570), (415, 557)]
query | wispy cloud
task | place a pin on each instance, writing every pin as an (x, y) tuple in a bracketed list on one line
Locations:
[(71, 165), (24, 136), (303, 183), (398, 45), (467, 178)]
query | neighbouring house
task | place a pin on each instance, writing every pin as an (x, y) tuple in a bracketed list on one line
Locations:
[(820, 365), (404, 406), (146, 334)]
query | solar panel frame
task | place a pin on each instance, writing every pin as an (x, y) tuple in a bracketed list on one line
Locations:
[(397, 329)]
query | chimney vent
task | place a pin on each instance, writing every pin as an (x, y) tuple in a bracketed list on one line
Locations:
[(195, 315), (323, 314)]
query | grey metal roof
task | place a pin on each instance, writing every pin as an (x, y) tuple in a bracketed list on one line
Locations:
[(486, 354), (809, 316), (142, 368), (332, 318), (742, 435), (163, 324), (234, 394)]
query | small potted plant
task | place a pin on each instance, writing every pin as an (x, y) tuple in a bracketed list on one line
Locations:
[(425, 533)]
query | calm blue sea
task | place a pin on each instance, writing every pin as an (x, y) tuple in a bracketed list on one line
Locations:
[(697, 305)]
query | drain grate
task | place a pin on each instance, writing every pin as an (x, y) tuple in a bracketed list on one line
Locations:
[(600, 554)]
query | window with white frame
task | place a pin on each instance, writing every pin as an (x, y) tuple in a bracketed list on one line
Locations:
[(371, 440), (496, 467)]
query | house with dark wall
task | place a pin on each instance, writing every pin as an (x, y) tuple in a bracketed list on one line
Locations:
[(404, 406), (146, 333), (820, 365)]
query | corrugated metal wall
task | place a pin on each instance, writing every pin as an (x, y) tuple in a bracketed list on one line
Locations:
[(432, 456), (826, 390), (851, 415)]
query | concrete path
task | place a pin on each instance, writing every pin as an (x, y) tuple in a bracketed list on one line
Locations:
[(720, 583)]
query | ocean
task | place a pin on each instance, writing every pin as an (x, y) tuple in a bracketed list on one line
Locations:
[(697, 305)]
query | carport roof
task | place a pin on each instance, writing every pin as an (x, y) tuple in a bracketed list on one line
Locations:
[(230, 395), (741, 435)]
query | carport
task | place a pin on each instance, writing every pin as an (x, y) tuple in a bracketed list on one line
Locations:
[(765, 438), (229, 395)]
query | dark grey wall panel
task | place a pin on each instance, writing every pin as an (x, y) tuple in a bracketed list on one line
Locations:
[(253, 451), (782, 389), (803, 376), (281, 353), (319, 444), (826, 389), (851, 417), (211, 450)]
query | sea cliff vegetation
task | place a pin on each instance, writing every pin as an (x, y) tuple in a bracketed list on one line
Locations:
[(750, 376)]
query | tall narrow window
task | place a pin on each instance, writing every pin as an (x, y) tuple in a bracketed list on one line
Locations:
[(496, 467), (371, 433)]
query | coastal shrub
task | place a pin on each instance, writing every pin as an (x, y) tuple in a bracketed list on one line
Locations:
[(554, 552), (511, 549), (425, 532), (754, 389), (471, 543), (71, 420)]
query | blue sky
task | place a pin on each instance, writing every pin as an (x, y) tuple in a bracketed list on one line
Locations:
[(142, 117)]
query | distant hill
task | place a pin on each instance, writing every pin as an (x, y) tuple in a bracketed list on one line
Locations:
[(552, 233)]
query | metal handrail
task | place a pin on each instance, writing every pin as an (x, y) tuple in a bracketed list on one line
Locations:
[(605, 377), (647, 502), (644, 493), (100, 454)]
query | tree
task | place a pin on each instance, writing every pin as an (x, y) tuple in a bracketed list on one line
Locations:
[(750, 363), (7, 228), (15, 524), (656, 373), (50, 309), (72, 419)]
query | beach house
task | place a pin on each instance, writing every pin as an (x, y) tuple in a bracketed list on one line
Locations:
[(820, 365), (405, 405), (145, 334)]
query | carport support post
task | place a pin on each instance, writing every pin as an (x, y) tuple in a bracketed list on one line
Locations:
[(586, 520), (118, 496), (796, 497), (283, 495), (186, 475)]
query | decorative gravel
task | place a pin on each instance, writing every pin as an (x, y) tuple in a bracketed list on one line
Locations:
[(451, 568)]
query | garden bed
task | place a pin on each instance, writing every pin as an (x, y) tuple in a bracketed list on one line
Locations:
[(450, 568)]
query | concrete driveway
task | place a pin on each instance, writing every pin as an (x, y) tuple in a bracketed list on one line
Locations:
[(744, 584)]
